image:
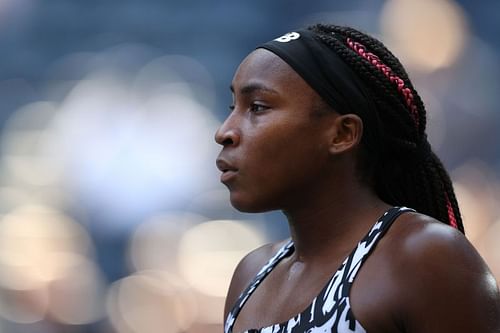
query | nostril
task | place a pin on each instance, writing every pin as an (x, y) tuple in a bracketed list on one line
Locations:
[(227, 142)]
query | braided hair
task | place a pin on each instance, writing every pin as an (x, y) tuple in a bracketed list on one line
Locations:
[(396, 158)]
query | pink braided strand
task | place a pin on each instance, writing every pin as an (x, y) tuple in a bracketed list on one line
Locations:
[(387, 71), (451, 214)]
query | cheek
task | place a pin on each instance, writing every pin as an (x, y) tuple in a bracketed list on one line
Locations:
[(293, 152), (276, 167)]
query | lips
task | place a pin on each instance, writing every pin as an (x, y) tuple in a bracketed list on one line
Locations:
[(228, 170)]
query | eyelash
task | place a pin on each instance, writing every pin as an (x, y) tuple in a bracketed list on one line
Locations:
[(254, 107)]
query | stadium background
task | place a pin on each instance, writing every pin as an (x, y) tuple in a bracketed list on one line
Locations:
[(112, 219)]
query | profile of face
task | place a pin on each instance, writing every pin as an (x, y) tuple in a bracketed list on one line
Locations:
[(277, 143)]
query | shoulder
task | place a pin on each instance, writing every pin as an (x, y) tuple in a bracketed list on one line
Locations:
[(442, 281), (247, 269), (427, 243)]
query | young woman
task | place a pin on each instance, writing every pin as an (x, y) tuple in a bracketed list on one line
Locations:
[(326, 126)]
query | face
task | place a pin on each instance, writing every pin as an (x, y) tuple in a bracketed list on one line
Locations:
[(274, 141)]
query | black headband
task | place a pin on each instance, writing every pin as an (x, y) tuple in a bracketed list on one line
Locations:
[(324, 71)]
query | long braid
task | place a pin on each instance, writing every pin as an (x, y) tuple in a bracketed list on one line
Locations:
[(401, 166)]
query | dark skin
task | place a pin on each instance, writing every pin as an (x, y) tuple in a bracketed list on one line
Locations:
[(281, 150)]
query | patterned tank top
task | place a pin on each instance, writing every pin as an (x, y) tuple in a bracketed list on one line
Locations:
[(330, 310)]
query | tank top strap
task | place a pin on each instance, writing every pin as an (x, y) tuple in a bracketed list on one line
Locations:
[(369, 242), (264, 271), (333, 301)]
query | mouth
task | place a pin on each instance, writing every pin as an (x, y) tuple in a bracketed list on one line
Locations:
[(227, 175), (228, 170)]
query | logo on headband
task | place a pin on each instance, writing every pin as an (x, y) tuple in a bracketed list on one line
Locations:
[(288, 37)]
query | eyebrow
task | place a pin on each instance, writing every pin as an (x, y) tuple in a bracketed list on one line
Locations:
[(253, 87)]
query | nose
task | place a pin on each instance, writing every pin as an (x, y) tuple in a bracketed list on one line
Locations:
[(227, 134)]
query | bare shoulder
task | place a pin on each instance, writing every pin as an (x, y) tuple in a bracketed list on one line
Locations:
[(427, 243), (443, 283), (246, 270)]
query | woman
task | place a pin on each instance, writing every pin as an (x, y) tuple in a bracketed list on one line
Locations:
[(327, 127)]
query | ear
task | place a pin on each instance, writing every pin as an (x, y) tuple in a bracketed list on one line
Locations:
[(346, 134)]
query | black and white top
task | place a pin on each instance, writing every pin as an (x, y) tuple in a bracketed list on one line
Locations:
[(330, 311)]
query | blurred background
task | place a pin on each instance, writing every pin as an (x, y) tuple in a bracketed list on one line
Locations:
[(112, 218)]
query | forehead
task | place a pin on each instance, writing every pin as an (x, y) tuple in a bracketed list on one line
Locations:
[(265, 68)]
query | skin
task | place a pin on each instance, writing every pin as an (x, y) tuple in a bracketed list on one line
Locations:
[(283, 152)]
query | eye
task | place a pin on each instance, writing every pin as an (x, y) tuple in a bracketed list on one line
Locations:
[(256, 107)]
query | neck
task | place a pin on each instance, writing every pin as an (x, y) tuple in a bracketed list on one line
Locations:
[(333, 223)]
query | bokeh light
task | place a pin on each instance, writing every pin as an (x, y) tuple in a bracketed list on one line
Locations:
[(478, 192), (24, 306), (77, 298), (426, 34), (132, 145), (151, 301), (46, 266), (22, 141), (209, 253), (155, 243), (38, 245)]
